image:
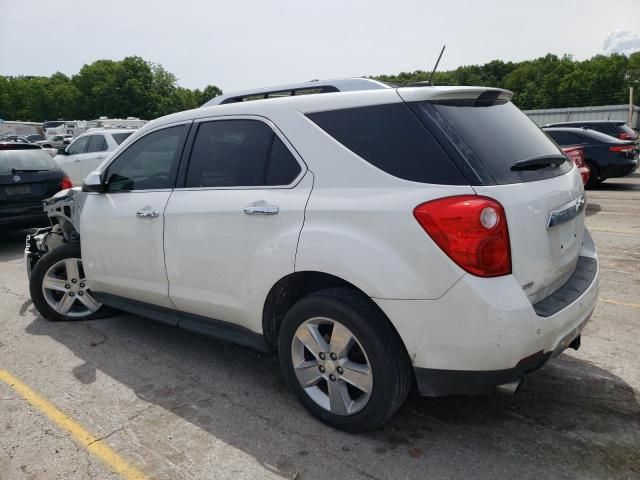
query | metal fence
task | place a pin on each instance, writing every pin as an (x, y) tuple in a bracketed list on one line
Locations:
[(604, 112)]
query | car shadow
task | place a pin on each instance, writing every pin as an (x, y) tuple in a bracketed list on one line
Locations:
[(570, 419), (621, 184), (12, 244)]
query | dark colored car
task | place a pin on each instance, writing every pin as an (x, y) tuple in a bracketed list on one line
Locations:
[(606, 156), (28, 175), (615, 128)]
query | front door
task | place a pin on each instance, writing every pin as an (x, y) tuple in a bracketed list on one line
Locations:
[(121, 230), (71, 162), (232, 229)]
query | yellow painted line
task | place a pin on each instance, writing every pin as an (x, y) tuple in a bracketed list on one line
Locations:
[(613, 230), (81, 435), (624, 304)]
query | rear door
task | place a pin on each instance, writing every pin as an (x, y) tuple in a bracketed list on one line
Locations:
[(517, 164), (232, 229), (121, 230)]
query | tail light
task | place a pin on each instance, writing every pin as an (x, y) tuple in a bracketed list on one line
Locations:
[(622, 148), (472, 230), (65, 183)]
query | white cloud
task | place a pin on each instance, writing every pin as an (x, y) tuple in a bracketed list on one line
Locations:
[(622, 41)]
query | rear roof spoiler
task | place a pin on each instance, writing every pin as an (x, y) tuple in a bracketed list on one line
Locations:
[(414, 94)]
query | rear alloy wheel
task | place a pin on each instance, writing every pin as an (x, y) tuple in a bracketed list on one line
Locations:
[(331, 365), (343, 359), (59, 287)]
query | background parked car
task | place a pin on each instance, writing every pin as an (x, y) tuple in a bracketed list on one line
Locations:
[(576, 154), (606, 156), (615, 128), (60, 141), (88, 151), (14, 139), (28, 175)]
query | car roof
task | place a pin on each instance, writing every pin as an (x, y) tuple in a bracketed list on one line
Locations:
[(102, 131), (337, 85), (587, 122), (327, 101)]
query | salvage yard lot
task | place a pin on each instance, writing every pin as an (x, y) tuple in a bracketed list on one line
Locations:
[(176, 405)]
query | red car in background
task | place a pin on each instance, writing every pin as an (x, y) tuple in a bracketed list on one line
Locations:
[(576, 154)]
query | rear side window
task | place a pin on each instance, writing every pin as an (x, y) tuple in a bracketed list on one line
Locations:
[(391, 138), (239, 153), (120, 137), (27, 159), (492, 135)]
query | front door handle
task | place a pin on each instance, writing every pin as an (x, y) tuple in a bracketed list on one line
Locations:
[(147, 213), (261, 208)]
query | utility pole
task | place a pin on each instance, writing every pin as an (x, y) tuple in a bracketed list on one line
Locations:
[(630, 114)]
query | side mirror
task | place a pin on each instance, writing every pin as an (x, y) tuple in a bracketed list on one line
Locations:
[(93, 183), (62, 151)]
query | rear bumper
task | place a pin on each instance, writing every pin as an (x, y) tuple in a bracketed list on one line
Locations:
[(619, 169), (485, 332), (29, 215)]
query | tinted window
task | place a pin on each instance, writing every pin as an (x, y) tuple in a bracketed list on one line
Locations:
[(393, 139), (31, 159), (239, 153), (148, 163), (492, 135), (121, 137), (79, 146), (565, 138), (97, 143)]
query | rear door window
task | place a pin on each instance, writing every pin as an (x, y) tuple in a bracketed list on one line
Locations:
[(239, 153), (97, 143), (391, 138), (492, 135)]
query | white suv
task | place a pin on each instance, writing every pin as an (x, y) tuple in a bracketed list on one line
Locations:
[(88, 151), (429, 236)]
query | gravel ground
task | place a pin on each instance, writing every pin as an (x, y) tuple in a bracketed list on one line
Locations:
[(177, 405)]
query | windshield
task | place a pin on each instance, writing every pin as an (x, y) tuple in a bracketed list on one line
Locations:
[(492, 136), (36, 159)]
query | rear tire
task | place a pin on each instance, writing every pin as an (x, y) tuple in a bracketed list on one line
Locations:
[(594, 175), (353, 364), (59, 289)]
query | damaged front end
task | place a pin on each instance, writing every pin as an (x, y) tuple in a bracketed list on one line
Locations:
[(64, 210)]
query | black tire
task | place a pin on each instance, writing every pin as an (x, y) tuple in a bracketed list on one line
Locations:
[(594, 175), (61, 252), (391, 370)]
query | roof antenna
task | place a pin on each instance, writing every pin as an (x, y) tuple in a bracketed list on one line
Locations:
[(428, 83)]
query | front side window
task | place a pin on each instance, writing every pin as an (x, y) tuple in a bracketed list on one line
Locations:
[(79, 146), (239, 153), (97, 143), (149, 163)]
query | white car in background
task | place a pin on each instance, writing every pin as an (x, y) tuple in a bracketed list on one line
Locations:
[(88, 151)]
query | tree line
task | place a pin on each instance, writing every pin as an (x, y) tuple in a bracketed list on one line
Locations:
[(547, 82), (116, 89), (135, 87)]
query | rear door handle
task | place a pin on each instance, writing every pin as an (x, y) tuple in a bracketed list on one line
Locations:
[(147, 213), (261, 208)]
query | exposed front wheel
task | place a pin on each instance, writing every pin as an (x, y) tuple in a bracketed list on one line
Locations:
[(343, 359), (59, 288)]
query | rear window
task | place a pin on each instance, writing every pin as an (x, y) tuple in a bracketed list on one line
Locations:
[(32, 159), (120, 137), (492, 135), (391, 138)]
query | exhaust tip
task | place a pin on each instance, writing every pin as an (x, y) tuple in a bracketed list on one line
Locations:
[(509, 388)]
